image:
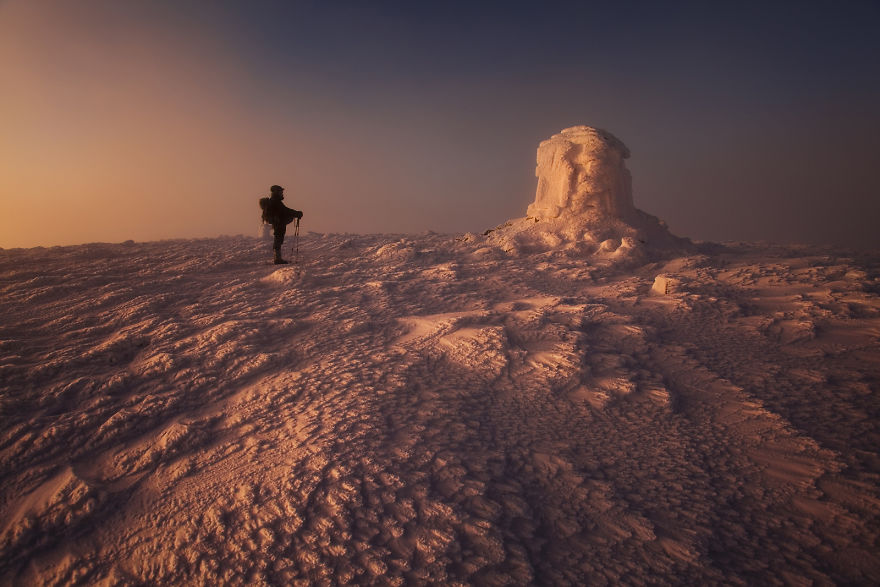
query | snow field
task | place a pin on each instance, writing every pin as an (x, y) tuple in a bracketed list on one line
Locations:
[(434, 409)]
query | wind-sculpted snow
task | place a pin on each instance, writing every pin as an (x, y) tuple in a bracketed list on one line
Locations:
[(431, 409)]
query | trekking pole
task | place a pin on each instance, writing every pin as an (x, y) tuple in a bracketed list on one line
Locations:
[(296, 245)]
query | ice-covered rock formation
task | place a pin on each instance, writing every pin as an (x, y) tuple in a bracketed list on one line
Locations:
[(581, 171), (584, 203)]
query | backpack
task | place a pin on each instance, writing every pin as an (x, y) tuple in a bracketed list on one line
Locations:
[(264, 206)]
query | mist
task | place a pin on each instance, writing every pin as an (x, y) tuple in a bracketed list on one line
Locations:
[(158, 121)]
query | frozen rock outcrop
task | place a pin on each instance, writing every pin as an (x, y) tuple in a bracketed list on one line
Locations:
[(581, 171), (584, 203)]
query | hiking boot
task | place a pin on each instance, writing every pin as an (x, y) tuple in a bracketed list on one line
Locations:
[(280, 261)]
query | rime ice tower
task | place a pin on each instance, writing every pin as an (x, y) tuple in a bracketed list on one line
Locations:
[(584, 203), (581, 171)]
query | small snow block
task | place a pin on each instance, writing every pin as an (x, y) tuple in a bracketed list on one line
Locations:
[(665, 285)]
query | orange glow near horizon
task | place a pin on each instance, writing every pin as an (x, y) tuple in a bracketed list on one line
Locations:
[(112, 136), (153, 120)]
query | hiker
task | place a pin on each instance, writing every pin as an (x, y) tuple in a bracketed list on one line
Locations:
[(279, 216)]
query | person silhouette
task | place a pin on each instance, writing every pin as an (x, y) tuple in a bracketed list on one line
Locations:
[(279, 216)]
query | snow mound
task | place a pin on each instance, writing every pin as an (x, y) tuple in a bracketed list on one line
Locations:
[(281, 277), (584, 204)]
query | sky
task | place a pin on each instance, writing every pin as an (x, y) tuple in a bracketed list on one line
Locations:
[(157, 119)]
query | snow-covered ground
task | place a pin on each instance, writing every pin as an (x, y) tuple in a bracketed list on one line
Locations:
[(431, 408)]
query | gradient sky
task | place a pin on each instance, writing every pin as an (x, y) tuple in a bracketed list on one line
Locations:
[(159, 119)]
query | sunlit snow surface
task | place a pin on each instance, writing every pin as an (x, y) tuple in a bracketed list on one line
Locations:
[(431, 409)]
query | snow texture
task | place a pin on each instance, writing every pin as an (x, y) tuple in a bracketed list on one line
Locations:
[(436, 409)]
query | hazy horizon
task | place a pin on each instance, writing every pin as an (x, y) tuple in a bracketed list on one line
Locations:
[(146, 121)]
